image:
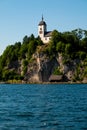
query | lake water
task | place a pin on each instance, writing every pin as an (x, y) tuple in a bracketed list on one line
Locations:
[(43, 107)]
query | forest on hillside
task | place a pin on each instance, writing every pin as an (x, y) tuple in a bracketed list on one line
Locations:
[(72, 45)]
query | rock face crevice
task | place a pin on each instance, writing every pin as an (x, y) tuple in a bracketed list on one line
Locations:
[(46, 69)]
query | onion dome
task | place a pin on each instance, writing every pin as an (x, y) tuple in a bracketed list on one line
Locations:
[(42, 22)]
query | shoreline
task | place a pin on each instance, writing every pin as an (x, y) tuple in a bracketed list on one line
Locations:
[(22, 82)]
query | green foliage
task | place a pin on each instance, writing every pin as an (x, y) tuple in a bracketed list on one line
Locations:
[(23, 51), (25, 64), (31, 48), (24, 70), (57, 71), (16, 52), (10, 54), (82, 55), (80, 72), (85, 72), (9, 75), (72, 45), (26, 40), (39, 42), (68, 49), (78, 32), (66, 61), (56, 37), (83, 44), (60, 47)]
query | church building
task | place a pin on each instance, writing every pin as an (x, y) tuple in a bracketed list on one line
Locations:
[(42, 31)]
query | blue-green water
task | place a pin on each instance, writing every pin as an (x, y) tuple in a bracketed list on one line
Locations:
[(43, 107)]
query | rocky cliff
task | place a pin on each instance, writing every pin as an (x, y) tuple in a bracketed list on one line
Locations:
[(42, 68)]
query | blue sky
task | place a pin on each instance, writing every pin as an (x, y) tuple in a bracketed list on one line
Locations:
[(21, 17)]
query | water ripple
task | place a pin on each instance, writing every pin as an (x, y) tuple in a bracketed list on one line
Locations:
[(43, 107)]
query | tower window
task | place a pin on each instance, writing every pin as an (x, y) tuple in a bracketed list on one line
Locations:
[(40, 32), (41, 29)]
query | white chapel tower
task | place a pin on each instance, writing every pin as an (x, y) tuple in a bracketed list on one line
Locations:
[(42, 31)]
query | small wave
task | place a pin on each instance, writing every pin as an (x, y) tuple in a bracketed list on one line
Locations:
[(25, 114)]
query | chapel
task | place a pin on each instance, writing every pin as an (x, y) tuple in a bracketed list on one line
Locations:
[(42, 31)]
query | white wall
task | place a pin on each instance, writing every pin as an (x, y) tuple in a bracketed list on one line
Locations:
[(43, 38)]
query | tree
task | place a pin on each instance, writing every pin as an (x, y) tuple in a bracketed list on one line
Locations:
[(68, 48), (23, 51), (39, 41), (26, 40), (31, 48), (81, 55), (83, 44), (79, 33), (60, 47), (56, 37), (32, 37)]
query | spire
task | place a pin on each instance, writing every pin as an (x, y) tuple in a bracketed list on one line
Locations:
[(42, 17), (42, 22)]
